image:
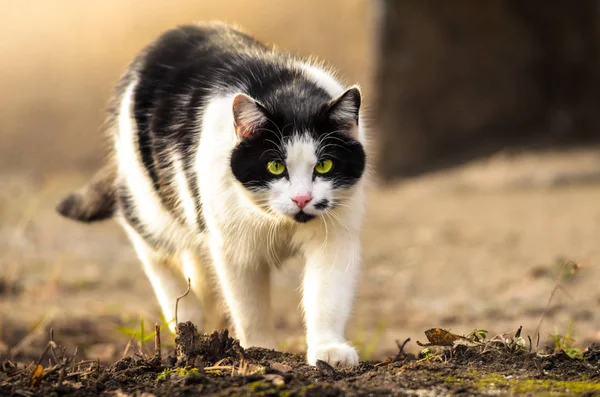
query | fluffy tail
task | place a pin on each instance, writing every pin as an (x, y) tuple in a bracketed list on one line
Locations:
[(94, 202)]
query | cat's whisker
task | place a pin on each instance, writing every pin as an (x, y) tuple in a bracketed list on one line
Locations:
[(337, 251), (343, 224), (326, 240)]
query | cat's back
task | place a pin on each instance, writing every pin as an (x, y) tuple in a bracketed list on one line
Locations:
[(159, 111), (200, 52), (176, 75), (183, 67)]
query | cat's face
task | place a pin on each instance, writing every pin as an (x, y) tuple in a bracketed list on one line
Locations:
[(299, 170)]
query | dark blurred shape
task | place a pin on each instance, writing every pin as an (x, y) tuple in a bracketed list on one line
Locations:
[(462, 79), (96, 201), (10, 287)]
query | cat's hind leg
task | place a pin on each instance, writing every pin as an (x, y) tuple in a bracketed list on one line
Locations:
[(196, 267), (168, 282)]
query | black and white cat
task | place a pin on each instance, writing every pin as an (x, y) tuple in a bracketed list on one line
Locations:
[(232, 157)]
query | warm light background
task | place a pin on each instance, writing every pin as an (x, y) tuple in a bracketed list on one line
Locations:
[(59, 60)]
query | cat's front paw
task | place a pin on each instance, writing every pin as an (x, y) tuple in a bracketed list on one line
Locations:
[(334, 353)]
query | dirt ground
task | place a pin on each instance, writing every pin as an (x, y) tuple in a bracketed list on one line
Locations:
[(216, 365)]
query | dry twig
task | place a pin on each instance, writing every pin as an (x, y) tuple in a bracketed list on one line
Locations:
[(181, 297), (157, 348)]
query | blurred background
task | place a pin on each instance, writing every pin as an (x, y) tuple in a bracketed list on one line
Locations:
[(484, 121)]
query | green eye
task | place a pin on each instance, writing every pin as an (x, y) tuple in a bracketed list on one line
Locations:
[(324, 166), (275, 167)]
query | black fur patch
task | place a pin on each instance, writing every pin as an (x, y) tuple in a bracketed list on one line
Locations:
[(250, 157), (249, 160), (94, 202), (303, 217), (129, 212), (321, 205)]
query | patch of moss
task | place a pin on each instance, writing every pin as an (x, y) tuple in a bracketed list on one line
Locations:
[(166, 374), (310, 390), (556, 386), (304, 390), (258, 385), (259, 388), (187, 371), (546, 387)]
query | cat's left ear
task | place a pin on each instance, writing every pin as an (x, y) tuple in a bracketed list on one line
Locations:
[(248, 115), (344, 110)]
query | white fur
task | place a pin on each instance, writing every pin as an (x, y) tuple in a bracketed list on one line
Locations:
[(167, 282), (155, 217), (248, 234), (183, 192), (300, 162), (324, 79)]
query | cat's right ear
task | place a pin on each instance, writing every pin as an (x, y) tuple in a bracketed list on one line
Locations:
[(248, 115)]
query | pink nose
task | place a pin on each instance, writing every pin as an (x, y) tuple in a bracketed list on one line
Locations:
[(302, 200)]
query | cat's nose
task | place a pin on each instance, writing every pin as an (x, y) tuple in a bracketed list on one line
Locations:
[(301, 200)]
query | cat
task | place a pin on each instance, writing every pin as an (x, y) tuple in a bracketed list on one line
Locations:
[(230, 157)]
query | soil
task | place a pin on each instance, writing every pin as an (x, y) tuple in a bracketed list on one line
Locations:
[(215, 365)]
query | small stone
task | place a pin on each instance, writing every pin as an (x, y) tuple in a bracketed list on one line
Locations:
[(325, 368), (275, 379), (279, 367)]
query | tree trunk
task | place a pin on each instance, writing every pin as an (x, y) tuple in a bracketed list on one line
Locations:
[(460, 79)]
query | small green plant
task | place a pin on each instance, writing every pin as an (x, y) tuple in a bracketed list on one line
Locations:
[(164, 375), (166, 322), (137, 334), (477, 338), (140, 334), (566, 343), (477, 335), (428, 354), (167, 373), (425, 354), (515, 344)]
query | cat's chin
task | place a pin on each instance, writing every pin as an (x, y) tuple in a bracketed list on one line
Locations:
[(303, 217)]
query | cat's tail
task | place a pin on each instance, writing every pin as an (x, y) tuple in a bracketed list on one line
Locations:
[(96, 201)]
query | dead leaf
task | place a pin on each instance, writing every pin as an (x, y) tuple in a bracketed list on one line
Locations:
[(439, 337), (36, 376)]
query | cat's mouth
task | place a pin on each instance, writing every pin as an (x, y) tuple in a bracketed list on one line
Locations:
[(303, 217)]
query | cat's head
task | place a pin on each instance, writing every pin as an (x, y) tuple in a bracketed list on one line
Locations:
[(298, 164)]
